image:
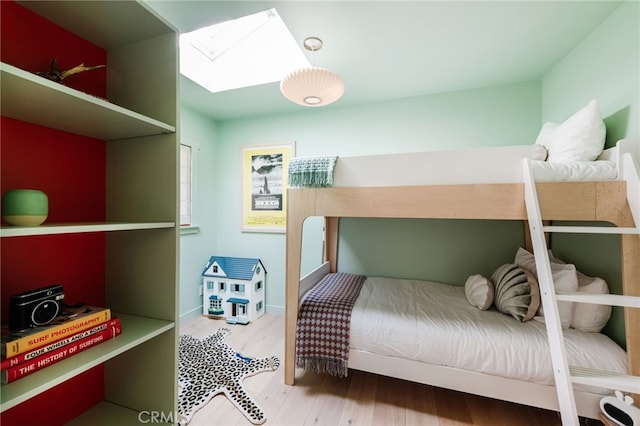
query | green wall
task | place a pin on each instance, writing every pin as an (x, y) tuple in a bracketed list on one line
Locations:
[(605, 67), (503, 115), (198, 243)]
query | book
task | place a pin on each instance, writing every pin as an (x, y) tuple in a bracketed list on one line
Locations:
[(21, 370), (70, 321), (29, 355)]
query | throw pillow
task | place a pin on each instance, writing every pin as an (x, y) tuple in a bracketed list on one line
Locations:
[(479, 291), (589, 317), (564, 278), (516, 292), (579, 138)]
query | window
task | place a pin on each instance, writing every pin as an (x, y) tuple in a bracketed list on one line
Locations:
[(259, 306), (185, 185), (237, 288), (214, 268), (251, 50), (221, 286), (258, 285), (209, 285)]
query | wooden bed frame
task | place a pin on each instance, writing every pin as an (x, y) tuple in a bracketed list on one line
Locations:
[(575, 201)]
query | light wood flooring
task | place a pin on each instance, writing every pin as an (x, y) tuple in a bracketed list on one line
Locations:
[(359, 399)]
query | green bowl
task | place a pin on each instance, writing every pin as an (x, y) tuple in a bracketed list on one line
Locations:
[(25, 207)]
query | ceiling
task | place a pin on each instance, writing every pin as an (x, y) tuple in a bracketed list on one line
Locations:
[(395, 49)]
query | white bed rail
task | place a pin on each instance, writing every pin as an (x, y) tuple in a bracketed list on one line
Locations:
[(311, 279), (499, 164)]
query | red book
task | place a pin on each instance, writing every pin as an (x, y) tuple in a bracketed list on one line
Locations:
[(32, 354), (21, 370)]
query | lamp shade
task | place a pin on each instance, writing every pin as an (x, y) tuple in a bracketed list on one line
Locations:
[(312, 86)]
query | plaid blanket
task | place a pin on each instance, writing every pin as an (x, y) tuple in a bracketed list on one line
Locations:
[(315, 172), (322, 333)]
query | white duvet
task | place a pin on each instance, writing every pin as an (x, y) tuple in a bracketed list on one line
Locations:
[(575, 171), (434, 323)]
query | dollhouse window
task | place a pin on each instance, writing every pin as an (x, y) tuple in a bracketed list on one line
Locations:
[(259, 306), (237, 288), (209, 285), (221, 286), (259, 285), (214, 268)]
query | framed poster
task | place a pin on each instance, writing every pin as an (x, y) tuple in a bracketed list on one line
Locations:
[(264, 184)]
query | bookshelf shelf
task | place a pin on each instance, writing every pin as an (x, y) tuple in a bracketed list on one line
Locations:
[(108, 414), (135, 331), (51, 229), (64, 108)]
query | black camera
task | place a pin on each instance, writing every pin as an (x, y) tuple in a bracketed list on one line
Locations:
[(35, 307)]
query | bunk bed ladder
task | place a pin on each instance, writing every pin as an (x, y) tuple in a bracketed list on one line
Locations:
[(564, 374)]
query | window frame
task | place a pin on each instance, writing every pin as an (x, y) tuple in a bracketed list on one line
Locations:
[(186, 185)]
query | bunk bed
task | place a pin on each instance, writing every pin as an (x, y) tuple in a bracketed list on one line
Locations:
[(487, 184)]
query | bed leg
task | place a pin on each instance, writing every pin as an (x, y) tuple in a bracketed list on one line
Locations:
[(331, 227)]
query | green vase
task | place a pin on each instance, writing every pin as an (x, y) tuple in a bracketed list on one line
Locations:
[(25, 207)]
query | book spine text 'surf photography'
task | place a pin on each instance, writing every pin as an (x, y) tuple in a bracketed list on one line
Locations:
[(29, 355), (71, 322), (14, 373)]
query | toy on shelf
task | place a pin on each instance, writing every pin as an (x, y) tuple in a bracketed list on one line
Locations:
[(57, 75)]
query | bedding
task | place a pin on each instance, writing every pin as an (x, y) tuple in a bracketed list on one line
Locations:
[(565, 278), (322, 332), (479, 291), (580, 137), (516, 292), (588, 317), (433, 323), (576, 171)]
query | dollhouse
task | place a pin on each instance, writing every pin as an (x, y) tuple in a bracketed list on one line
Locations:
[(233, 288)]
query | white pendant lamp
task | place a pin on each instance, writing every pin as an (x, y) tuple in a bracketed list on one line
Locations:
[(312, 86)]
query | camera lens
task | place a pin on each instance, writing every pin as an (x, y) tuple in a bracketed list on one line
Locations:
[(44, 312)]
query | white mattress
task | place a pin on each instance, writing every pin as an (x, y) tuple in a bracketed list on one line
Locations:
[(434, 323), (575, 171)]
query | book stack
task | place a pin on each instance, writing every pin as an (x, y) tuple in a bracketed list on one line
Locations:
[(70, 333)]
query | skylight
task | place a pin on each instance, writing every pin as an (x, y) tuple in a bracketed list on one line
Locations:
[(248, 51)]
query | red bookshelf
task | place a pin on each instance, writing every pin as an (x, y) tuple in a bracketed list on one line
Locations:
[(74, 141)]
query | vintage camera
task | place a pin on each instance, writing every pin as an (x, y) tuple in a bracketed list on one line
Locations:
[(35, 307)]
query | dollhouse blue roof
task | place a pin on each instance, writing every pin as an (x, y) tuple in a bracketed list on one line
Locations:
[(239, 268)]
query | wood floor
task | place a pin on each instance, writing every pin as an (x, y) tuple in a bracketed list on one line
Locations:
[(359, 399)]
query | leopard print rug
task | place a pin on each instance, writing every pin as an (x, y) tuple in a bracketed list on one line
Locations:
[(207, 367)]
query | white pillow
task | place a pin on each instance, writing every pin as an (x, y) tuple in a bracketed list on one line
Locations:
[(579, 138), (564, 278), (479, 291), (538, 152), (589, 317)]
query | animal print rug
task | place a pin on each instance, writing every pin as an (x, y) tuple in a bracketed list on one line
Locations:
[(207, 367)]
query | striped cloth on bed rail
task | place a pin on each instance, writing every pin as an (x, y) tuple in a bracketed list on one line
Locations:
[(313, 172)]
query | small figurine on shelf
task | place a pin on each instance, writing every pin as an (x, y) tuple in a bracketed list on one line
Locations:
[(57, 75)]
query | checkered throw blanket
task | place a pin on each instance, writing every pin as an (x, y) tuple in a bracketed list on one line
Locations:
[(322, 333), (315, 172)]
